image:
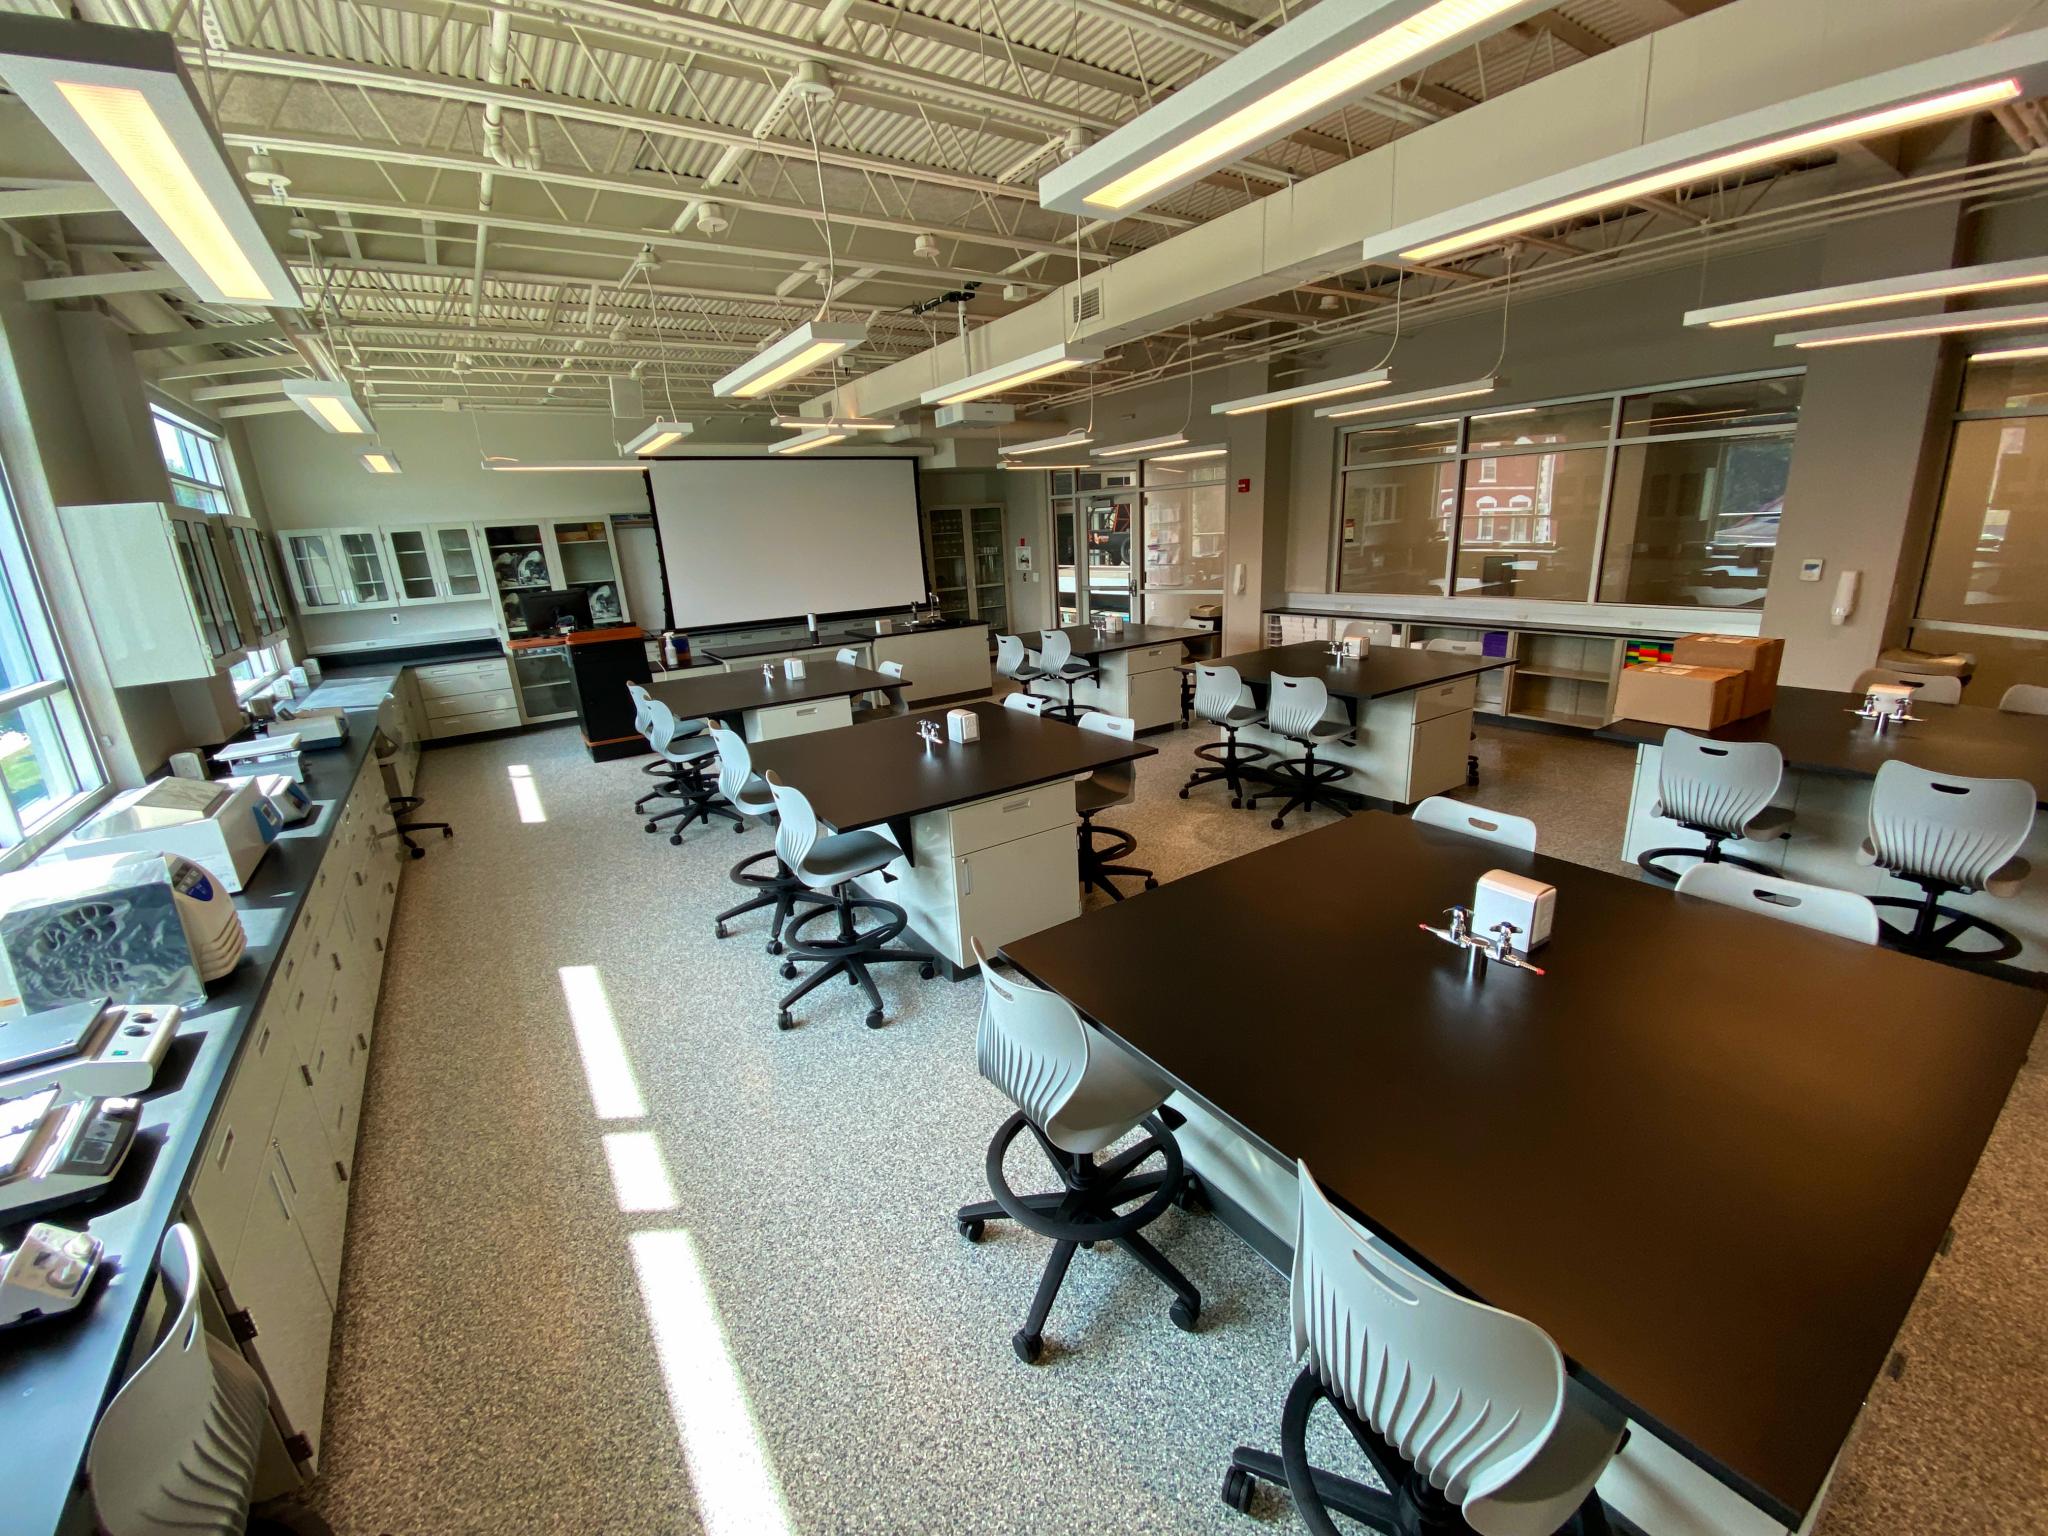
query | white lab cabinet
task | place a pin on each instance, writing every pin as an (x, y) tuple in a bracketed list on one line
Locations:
[(158, 588), (332, 569), (264, 616), (561, 554), (434, 563)]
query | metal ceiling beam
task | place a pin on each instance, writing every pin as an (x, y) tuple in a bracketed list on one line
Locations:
[(52, 199), (261, 408), (237, 391), (222, 366), (205, 335), (958, 35), (94, 284), (637, 184)]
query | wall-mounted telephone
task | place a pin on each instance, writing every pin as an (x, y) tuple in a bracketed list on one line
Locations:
[(1845, 597)]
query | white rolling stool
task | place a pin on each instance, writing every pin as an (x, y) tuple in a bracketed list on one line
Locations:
[(1819, 907), (1950, 836), (1222, 699), (1926, 689), (748, 793), (1719, 790), (1056, 656), (1299, 708), (1477, 821), (2024, 699), (1016, 663), (1465, 1412), (1102, 790)]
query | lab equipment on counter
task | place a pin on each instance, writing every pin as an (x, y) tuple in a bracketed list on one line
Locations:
[(287, 797), (147, 928), (54, 1154), (87, 1050), (276, 753), (48, 1274), (314, 727), (225, 827)]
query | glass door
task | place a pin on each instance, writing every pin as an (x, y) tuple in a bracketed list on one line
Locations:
[(519, 563), (547, 689), (412, 563), (991, 583), (945, 533), (1184, 509), (584, 560), (364, 578), (1107, 520), (315, 578), (1066, 519), (462, 574)]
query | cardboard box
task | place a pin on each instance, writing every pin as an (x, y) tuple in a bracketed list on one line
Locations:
[(1755, 656), (1696, 698)]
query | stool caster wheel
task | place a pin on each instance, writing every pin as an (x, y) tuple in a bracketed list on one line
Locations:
[(1151, 884), (446, 833), (1027, 1345), (875, 1019), (789, 970), (971, 1230), (720, 931), (1183, 794), (1184, 1316), (738, 827), (927, 971), (1190, 1196), (650, 826), (416, 853), (775, 946), (1236, 804), (1237, 1490), (783, 1020), (1279, 823), (675, 839)]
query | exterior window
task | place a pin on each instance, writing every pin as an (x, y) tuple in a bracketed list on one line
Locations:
[(47, 764), (194, 461)]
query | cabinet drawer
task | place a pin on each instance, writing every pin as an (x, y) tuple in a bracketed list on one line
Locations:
[(1445, 698), (277, 1282), (467, 725), (450, 706), (233, 1157), (458, 677), (1150, 658), (988, 823)]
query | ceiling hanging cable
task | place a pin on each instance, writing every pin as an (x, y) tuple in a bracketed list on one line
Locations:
[(824, 212)]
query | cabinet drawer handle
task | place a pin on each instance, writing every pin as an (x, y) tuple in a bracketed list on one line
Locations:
[(1017, 805), (307, 1073), (227, 1147), (361, 1043), (379, 943), (340, 1173), (811, 710), (359, 876), (336, 959)]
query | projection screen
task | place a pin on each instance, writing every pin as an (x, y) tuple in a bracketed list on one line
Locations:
[(747, 540)]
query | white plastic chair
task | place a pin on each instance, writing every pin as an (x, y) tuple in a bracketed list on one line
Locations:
[(1100, 791), (847, 655), (1465, 1409), (1056, 656), (686, 750), (1300, 709), (1019, 665), (1477, 821), (2025, 699), (1720, 790), (1025, 703), (1820, 907), (1926, 689), (176, 1451), (1079, 1094), (1224, 700), (1948, 834), (882, 706)]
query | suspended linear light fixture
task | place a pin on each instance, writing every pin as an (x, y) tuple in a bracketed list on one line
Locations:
[(2010, 354), (1464, 391), (1746, 141), (658, 435), (790, 356), (1042, 364), (1989, 277), (120, 103), (1300, 72), (1140, 447), (1075, 439), (837, 423), (1187, 455), (1907, 327), (332, 405), (380, 461), (805, 442), (1326, 389), (562, 467)]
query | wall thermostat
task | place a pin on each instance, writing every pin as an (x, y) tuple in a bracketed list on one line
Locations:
[(1809, 570)]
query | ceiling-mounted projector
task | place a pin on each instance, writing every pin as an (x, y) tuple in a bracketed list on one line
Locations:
[(975, 414)]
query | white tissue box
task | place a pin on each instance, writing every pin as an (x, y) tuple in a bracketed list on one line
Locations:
[(1508, 898), (793, 667), (1354, 646), (963, 725)]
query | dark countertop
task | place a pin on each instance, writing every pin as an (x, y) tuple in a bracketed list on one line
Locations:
[(1712, 1154), (705, 691), (1382, 671), (56, 1377), (369, 663), (880, 773), (744, 650), (1815, 730), (1462, 621), (1089, 641)]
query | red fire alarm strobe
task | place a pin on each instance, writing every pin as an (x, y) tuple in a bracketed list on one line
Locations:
[(1244, 486)]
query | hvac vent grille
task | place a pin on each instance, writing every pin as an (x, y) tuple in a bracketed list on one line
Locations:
[(1087, 304)]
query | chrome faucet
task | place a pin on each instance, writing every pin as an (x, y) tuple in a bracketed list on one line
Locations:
[(1477, 947)]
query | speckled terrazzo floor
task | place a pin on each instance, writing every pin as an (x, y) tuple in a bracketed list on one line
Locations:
[(787, 1335)]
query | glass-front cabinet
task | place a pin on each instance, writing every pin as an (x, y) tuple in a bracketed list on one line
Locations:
[(435, 563), (199, 559), (538, 557), (462, 568), (584, 562), (519, 563), (964, 553), (333, 568), (266, 602)]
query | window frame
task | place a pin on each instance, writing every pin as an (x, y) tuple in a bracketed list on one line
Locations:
[(227, 488), (1462, 453)]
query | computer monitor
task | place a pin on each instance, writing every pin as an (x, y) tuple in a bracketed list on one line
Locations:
[(544, 611)]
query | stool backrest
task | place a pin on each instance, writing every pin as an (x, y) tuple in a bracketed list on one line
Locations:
[(1025, 703), (1219, 690), (735, 763), (796, 830), (1055, 649), (2025, 699), (1927, 689), (1843, 913), (1465, 1394), (642, 716), (1477, 821), (890, 668), (847, 655), (1295, 705), (1941, 826), (664, 729), (176, 1450), (1372, 631), (1120, 726), (1717, 784), (1011, 657), (1030, 1043)]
